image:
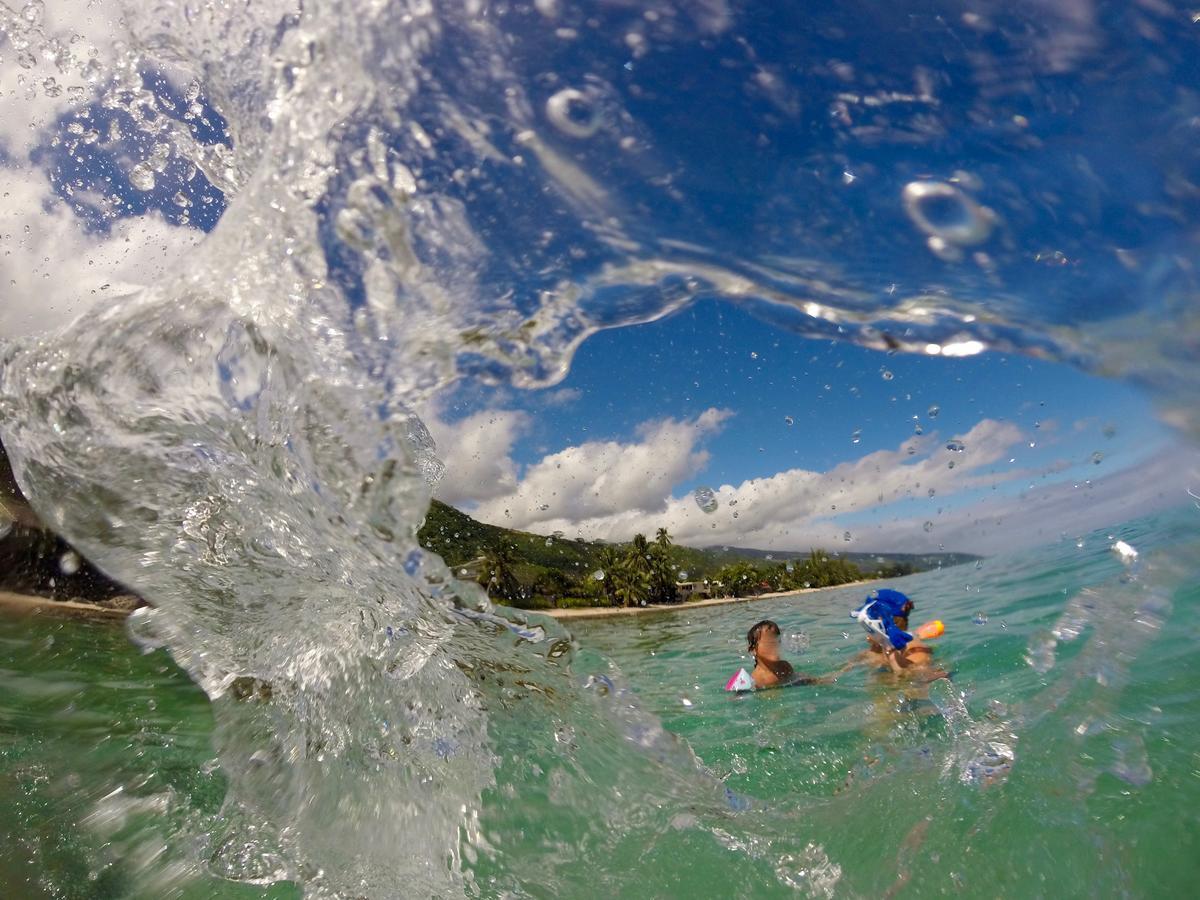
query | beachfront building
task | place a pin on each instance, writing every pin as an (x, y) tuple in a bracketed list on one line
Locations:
[(695, 590)]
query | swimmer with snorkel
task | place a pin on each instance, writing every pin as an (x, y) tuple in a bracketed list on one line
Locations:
[(884, 616)]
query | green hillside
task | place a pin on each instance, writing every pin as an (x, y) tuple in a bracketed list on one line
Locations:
[(539, 571)]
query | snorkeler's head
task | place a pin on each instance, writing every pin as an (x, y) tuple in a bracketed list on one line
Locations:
[(884, 616), (763, 633)]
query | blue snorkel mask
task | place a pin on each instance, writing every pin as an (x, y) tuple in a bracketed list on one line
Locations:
[(877, 615)]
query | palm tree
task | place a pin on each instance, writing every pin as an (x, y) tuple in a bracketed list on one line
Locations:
[(610, 565), (497, 575), (632, 583), (662, 576)]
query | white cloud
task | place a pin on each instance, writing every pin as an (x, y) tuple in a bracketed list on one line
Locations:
[(561, 397), (1045, 512), (611, 490), (599, 479), (477, 453), (54, 270)]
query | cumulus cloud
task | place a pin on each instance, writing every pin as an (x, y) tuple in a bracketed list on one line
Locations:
[(477, 453), (597, 480), (1045, 512), (612, 489), (55, 269)]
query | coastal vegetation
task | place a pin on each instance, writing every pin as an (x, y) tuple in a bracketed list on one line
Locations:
[(533, 571)]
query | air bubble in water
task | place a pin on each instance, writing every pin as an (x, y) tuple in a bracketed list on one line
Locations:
[(955, 446), (142, 177), (69, 563), (571, 112), (1097, 458), (34, 12), (705, 499), (797, 642), (928, 526), (412, 563), (946, 214), (933, 412)]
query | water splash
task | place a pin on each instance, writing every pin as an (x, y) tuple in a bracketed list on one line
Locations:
[(409, 198)]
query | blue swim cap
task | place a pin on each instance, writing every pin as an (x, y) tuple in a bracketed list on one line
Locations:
[(876, 617)]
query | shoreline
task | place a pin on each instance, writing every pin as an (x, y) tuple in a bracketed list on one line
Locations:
[(32, 605), (604, 612)]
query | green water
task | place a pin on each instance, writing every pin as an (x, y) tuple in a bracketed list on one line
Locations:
[(880, 789)]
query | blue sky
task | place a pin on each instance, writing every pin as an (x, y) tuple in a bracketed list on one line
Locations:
[(793, 409), (794, 176)]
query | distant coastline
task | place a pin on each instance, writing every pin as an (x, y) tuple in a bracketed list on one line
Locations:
[(605, 612)]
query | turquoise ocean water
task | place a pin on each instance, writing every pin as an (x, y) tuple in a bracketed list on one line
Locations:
[(1062, 759)]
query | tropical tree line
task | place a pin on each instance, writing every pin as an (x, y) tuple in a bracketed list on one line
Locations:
[(644, 571), (743, 579)]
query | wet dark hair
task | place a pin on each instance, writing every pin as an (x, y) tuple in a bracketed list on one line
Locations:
[(757, 629)]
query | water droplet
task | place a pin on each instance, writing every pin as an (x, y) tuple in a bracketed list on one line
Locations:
[(26, 60), (549, 542), (950, 465), (928, 526), (946, 214), (886, 374), (788, 420), (572, 112), (797, 642), (980, 618), (142, 177), (6, 527), (931, 491), (955, 446), (1097, 458), (1110, 430), (846, 536), (933, 411), (34, 12), (918, 429), (856, 436), (412, 563), (735, 515), (598, 575), (683, 576), (705, 499), (69, 563)]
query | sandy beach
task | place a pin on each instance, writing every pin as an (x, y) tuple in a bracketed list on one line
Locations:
[(600, 612), (28, 605)]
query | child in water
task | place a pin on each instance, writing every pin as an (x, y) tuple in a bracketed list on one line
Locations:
[(762, 641), (914, 660)]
